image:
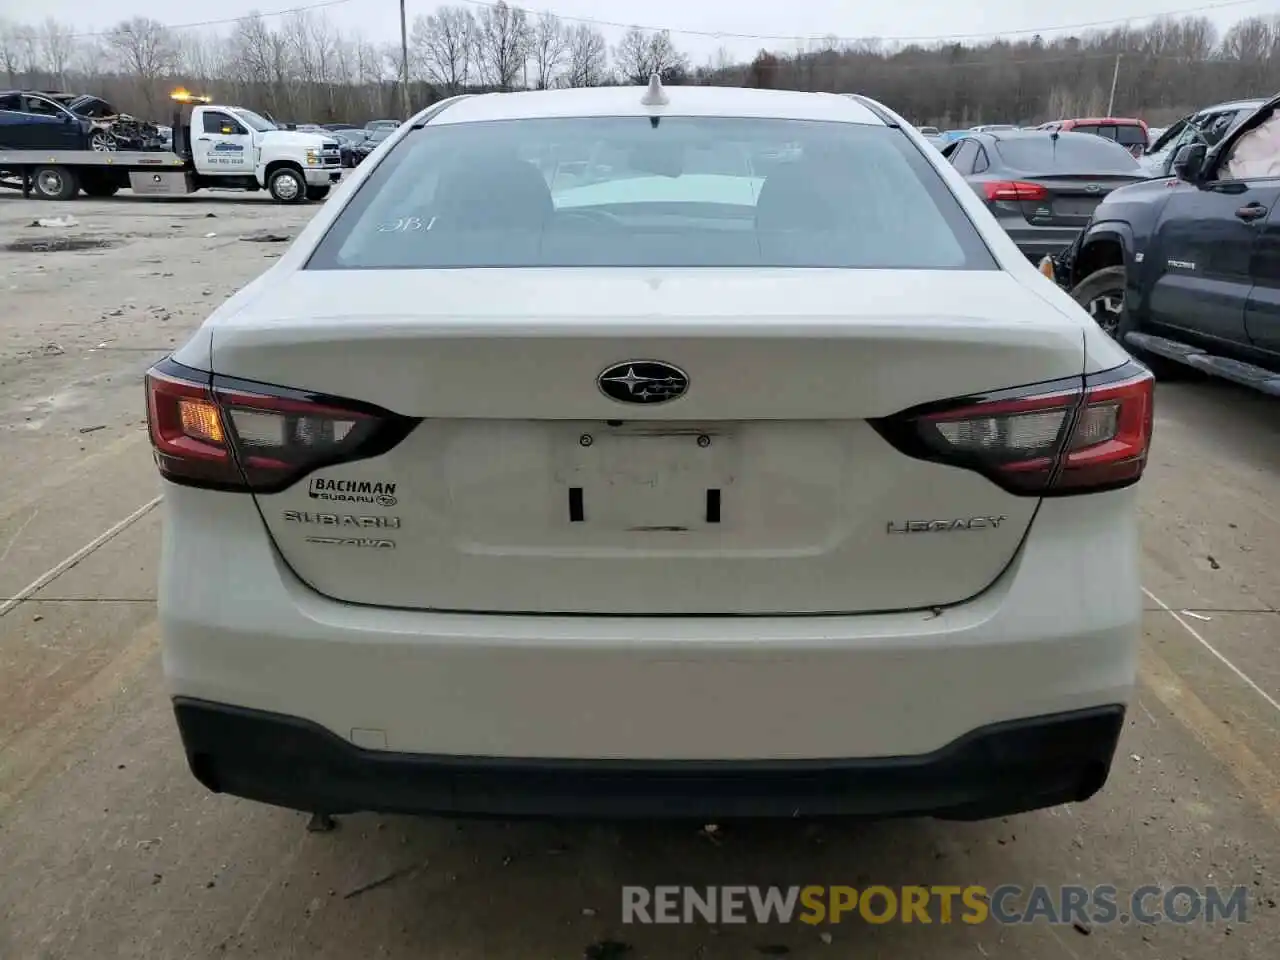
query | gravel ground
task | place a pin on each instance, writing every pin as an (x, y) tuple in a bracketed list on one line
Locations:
[(112, 849)]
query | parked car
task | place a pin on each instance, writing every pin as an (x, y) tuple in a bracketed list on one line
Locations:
[(382, 125), (50, 120), (340, 126), (1207, 126), (677, 495), (1129, 132), (929, 131), (349, 139), (992, 128), (1186, 273), (950, 135), (1042, 187), (370, 143)]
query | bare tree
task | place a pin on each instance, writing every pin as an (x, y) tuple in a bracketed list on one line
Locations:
[(631, 56), (549, 47), (146, 50), (249, 51), (502, 44), (27, 42), (587, 57), (10, 59), (442, 46), (58, 43), (639, 55)]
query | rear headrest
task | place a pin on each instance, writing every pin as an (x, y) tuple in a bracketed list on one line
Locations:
[(797, 196), (494, 193)]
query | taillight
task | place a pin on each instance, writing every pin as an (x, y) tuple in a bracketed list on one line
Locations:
[(1014, 190), (1077, 435), (228, 434)]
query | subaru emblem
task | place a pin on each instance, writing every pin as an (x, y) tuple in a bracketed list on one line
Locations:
[(643, 381)]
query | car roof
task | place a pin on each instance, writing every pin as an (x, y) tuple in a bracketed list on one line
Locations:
[(1107, 121), (1232, 105), (681, 101)]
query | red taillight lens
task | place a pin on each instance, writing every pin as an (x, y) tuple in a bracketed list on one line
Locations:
[(1071, 436), (1014, 190), (229, 434)]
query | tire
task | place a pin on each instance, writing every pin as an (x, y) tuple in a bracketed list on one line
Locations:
[(1102, 294), (317, 193), (287, 185), (100, 187), (54, 183), (102, 142)]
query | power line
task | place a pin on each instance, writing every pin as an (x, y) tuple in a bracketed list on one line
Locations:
[(226, 21), (732, 35)]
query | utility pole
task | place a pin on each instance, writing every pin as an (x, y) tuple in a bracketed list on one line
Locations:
[(1115, 75), (404, 67)]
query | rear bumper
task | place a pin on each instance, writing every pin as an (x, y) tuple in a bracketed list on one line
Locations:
[(998, 770), (1037, 242), (683, 712)]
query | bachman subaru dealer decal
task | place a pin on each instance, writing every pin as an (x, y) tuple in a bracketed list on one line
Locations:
[(353, 491)]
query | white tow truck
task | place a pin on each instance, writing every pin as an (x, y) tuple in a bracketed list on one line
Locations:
[(228, 148)]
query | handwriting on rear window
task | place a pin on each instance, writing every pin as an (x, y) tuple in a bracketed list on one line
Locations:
[(406, 225)]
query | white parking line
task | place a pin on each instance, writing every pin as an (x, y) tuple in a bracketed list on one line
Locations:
[(56, 571), (1214, 650)]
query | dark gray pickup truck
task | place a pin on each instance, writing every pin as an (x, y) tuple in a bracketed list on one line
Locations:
[(1185, 270)]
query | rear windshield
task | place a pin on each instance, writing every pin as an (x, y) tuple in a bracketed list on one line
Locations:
[(1069, 154), (1130, 134), (682, 192)]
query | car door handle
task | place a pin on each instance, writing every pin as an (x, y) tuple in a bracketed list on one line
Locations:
[(204, 139), (1251, 211)]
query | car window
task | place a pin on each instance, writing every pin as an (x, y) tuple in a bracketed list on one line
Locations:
[(1066, 152), (11, 102), (980, 163), (963, 156), (1255, 155), (223, 123), (1085, 128), (1130, 135), (625, 192), (42, 107)]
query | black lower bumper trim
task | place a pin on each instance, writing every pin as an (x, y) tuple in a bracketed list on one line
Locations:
[(994, 771)]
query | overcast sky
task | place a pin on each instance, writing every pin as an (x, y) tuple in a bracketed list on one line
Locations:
[(910, 19)]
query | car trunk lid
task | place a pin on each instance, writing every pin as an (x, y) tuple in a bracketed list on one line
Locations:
[(1065, 200), (762, 490)]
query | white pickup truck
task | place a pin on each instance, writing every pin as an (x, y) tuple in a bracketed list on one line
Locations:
[(228, 148)]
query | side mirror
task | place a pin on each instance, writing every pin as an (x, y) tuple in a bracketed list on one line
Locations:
[(1188, 165)]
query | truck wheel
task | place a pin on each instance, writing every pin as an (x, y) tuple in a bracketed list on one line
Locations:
[(317, 193), (54, 183), (99, 186), (287, 186), (1102, 294)]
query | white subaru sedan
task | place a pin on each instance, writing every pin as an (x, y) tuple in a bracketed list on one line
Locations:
[(632, 452)]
